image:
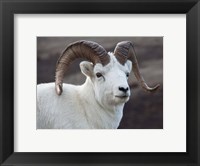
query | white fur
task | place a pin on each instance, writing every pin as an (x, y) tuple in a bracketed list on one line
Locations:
[(93, 105)]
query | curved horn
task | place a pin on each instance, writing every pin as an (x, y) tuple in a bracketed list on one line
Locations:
[(125, 50), (81, 49)]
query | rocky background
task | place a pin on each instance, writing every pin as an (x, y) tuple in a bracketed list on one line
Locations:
[(144, 110)]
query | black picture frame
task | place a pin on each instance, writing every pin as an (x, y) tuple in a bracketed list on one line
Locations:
[(10, 7)]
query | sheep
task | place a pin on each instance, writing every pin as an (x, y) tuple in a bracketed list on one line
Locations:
[(99, 102)]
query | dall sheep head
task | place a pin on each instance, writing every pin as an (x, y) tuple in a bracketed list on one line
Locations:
[(109, 82), (105, 67)]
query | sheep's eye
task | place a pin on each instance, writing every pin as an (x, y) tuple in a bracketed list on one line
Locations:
[(98, 75), (127, 74)]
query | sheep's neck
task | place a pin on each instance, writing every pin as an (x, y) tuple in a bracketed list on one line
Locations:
[(99, 117)]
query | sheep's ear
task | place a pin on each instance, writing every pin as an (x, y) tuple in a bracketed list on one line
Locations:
[(129, 64), (87, 68)]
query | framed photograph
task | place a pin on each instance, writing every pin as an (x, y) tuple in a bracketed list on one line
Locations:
[(99, 83), (128, 110)]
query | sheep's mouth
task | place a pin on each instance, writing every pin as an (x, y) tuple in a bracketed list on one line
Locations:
[(122, 97)]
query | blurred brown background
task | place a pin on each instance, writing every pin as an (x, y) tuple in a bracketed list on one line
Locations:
[(144, 110)]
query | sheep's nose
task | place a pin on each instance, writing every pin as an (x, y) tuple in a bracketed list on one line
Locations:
[(123, 89)]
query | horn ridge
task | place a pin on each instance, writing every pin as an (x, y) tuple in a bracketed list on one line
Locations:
[(89, 50), (125, 51), (121, 51)]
